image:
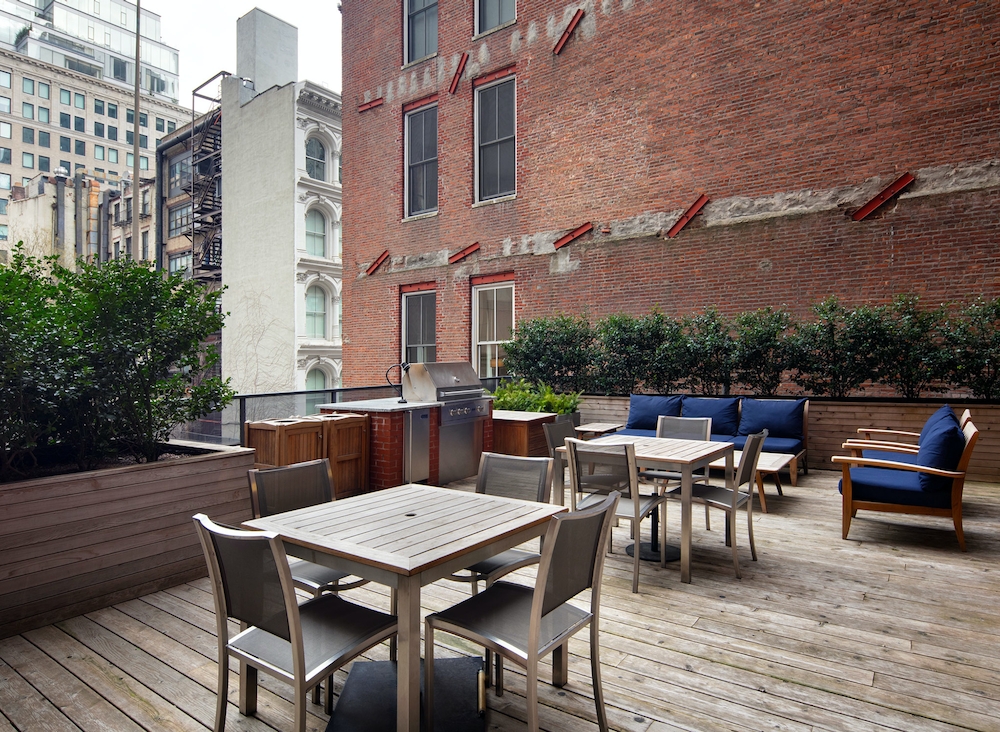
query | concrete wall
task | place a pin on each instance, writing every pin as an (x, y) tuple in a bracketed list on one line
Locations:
[(267, 50), (789, 116)]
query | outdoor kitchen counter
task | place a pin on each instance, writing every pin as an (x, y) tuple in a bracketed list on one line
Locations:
[(390, 404)]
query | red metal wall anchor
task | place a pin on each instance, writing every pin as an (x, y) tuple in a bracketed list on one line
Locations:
[(375, 265), (895, 187), (371, 105), (460, 255), (575, 234), (687, 216), (577, 16), (458, 73)]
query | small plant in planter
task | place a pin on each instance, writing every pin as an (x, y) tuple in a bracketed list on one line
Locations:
[(524, 396)]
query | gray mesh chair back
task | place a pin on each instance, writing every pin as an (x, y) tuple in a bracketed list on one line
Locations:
[(684, 428), (556, 434), (572, 561), (276, 490), (302, 645), (746, 473), (510, 476)]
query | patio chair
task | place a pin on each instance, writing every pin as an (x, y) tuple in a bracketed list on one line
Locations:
[(555, 437), (276, 490), (597, 470), (679, 428), (524, 623), (899, 445), (731, 500), (299, 644)]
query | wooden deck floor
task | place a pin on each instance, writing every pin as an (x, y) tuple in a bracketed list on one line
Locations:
[(893, 630)]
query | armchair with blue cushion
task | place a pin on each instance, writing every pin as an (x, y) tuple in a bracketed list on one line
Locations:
[(928, 482), (898, 445)]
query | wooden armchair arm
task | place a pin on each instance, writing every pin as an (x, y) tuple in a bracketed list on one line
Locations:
[(868, 432), (846, 461), (880, 445)]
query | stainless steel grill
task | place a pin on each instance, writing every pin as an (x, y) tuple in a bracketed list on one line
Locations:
[(457, 385)]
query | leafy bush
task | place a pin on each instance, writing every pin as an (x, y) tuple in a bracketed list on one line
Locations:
[(910, 354), (559, 351), (636, 353), (761, 353), (103, 360), (523, 396), (973, 342), (711, 353)]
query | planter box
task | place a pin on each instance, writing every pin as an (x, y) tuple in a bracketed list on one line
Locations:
[(520, 433), (285, 441), (78, 542), (831, 421)]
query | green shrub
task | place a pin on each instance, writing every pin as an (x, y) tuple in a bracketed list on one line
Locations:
[(711, 353), (524, 396), (761, 354), (638, 353), (559, 351), (972, 339), (910, 355)]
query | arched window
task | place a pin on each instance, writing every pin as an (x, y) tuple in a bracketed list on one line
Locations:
[(315, 233), (315, 159), (315, 313), (315, 380)]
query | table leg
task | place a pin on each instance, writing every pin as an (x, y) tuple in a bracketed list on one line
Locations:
[(760, 492), (559, 480), (408, 654), (686, 521)]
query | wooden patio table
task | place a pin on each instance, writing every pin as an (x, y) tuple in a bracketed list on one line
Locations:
[(685, 456), (408, 537)]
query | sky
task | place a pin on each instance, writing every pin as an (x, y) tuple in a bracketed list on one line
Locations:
[(204, 32)]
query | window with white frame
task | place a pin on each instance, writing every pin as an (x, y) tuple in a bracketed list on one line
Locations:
[(493, 13), (315, 159), (315, 381), (492, 325), (495, 140), (419, 313), (421, 161), (421, 29), (315, 233), (315, 312)]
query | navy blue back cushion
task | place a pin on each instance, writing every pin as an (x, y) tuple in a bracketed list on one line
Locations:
[(724, 411), (780, 417), (644, 409), (944, 413), (942, 448)]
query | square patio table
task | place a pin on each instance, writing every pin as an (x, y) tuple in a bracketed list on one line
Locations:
[(408, 537), (685, 456)]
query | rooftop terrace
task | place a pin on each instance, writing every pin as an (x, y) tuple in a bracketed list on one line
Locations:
[(895, 629)]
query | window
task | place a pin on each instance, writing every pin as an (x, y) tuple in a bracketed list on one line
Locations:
[(5, 79), (315, 159), (79, 147), (43, 90), (179, 219), (79, 124), (421, 161), (5, 105), (64, 144), (129, 137), (143, 120), (112, 155), (179, 174), (3, 206), (315, 381), (65, 96), (494, 12), (43, 114), (315, 233), (28, 135), (64, 164), (112, 133), (418, 327), (145, 245), (421, 24), (159, 124), (65, 120), (112, 110), (99, 152), (315, 312), (496, 141), (143, 162), (43, 139), (27, 160), (5, 155), (98, 106), (27, 110), (179, 263), (4, 181), (99, 129), (171, 125), (79, 101), (28, 85), (130, 116), (43, 163), (492, 324), (3, 232), (129, 160), (5, 129), (143, 141)]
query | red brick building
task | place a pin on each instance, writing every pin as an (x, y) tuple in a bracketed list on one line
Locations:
[(481, 134)]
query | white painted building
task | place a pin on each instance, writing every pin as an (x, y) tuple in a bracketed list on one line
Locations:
[(282, 207)]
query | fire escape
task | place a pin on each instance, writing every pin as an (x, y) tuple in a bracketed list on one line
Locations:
[(205, 189)]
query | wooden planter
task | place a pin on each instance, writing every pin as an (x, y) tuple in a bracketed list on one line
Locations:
[(831, 421), (285, 441), (520, 433), (78, 542)]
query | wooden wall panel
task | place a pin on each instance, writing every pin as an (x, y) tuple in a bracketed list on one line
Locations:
[(74, 543)]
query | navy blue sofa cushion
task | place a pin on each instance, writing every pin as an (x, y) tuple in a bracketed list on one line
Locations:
[(945, 413), (724, 411), (942, 448), (644, 409), (771, 444), (780, 417), (884, 485)]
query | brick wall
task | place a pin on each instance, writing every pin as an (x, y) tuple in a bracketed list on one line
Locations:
[(789, 115)]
